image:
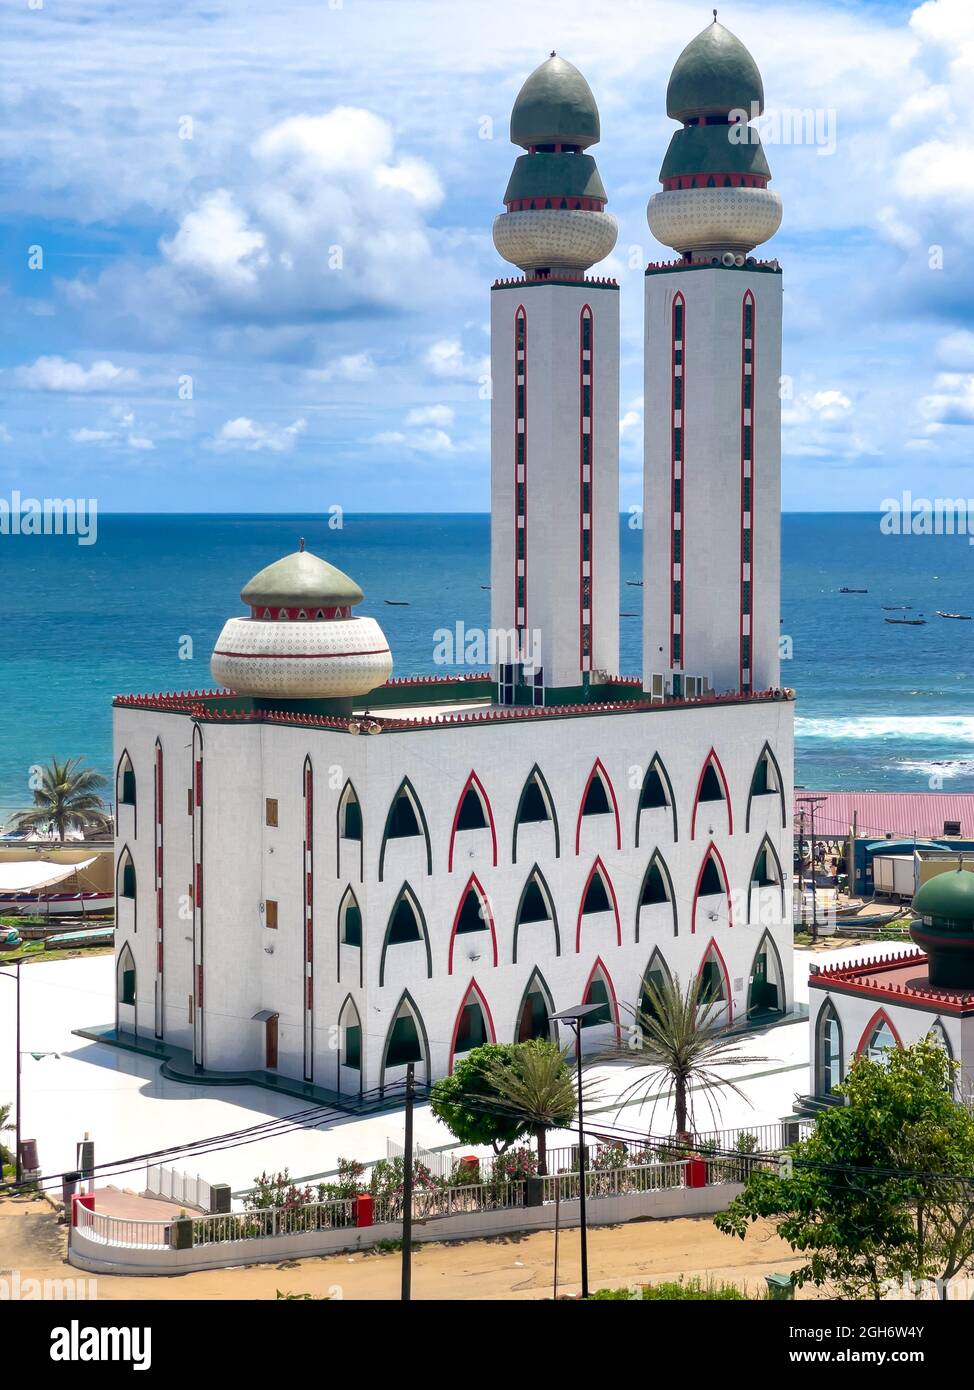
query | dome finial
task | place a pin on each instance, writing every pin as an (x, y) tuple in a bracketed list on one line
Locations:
[(301, 543), (554, 54), (715, 16)]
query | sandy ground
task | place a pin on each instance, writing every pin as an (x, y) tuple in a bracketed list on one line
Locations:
[(507, 1267)]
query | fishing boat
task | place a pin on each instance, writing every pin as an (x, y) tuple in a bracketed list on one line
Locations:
[(846, 590), (397, 602), (635, 583), (897, 607), (960, 617), (907, 622)]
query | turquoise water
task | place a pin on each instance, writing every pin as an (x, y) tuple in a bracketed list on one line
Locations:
[(879, 706)]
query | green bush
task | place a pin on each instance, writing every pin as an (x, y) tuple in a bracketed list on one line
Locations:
[(689, 1289)]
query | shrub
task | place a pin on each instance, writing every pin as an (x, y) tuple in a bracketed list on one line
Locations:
[(693, 1288)]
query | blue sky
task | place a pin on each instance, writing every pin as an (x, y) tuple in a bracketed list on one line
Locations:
[(180, 333)]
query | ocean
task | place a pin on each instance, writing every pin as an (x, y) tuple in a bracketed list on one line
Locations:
[(879, 706)]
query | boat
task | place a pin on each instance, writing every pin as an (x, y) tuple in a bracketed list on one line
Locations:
[(635, 583), (397, 602), (628, 615), (897, 607), (846, 590), (907, 622), (960, 617), (485, 586)]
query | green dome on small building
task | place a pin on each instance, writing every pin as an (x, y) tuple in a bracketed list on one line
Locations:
[(555, 106), (713, 75), (301, 580), (947, 897)]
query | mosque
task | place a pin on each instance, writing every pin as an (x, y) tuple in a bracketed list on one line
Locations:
[(324, 873)]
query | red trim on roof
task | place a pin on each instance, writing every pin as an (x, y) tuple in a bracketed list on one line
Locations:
[(895, 977)]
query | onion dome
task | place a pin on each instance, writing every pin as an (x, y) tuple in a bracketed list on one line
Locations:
[(301, 640), (943, 926), (715, 203), (555, 223)]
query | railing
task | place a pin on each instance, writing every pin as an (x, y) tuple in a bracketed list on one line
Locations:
[(721, 1170), (767, 1138), (429, 1202), (122, 1230), (177, 1187), (616, 1182), (274, 1221)]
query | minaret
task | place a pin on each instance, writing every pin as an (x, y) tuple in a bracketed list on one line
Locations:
[(555, 406), (711, 558)]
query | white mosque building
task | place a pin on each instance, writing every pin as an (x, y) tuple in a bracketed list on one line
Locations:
[(323, 873)]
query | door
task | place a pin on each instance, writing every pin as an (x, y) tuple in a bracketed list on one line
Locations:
[(270, 1044)]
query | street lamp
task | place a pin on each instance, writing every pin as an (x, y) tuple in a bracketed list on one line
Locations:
[(16, 977), (575, 1017)]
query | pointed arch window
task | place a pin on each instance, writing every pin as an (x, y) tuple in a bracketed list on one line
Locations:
[(598, 799), (349, 814), (350, 1036), (406, 1040), (655, 977), (534, 1014), (535, 806), (828, 1050), (406, 925), (125, 781), (599, 990), (536, 904), (350, 920), (656, 888), (126, 978), (473, 1026), (126, 874), (713, 985), (406, 820), (878, 1037), (711, 882), (712, 788), (473, 812), (766, 780), (473, 915), (598, 896), (766, 986), (470, 814), (656, 793)]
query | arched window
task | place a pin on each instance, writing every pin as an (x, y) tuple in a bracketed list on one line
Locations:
[(713, 986), (657, 888), (406, 1040), (711, 788), (473, 812), (349, 1038), (125, 781), (405, 820), (656, 794), (598, 799), (473, 915), (938, 1036), (349, 825), (534, 1013), (711, 883), (599, 990), (406, 925), (878, 1036), (350, 928), (766, 988), (536, 904), (126, 874), (126, 992), (766, 872), (766, 780), (535, 805), (598, 896), (473, 1026), (828, 1050), (655, 977)]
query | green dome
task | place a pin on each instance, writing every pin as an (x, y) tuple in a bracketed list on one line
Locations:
[(948, 895), (554, 176), (705, 149), (301, 580), (713, 75), (555, 107)]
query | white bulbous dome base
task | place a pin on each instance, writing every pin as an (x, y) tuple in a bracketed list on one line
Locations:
[(328, 659), (714, 219), (570, 239)]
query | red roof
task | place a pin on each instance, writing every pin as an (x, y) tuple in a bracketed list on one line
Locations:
[(900, 979), (904, 815)]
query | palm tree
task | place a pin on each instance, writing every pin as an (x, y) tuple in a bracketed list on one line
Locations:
[(679, 1042), (66, 798), (535, 1088)]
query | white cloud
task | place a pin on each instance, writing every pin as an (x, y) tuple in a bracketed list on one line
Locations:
[(956, 350), (447, 359), (355, 366), (86, 436), (247, 434), (951, 402), (629, 421), (217, 242), (822, 407), (58, 374), (440, 415)]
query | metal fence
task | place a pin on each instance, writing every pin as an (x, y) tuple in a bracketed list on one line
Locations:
[(275, 1221), (451, 1201), (122, 1230), (616, 1182), (173, 1186)]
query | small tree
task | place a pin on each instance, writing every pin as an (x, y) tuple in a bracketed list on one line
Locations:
[(881, 1190), (5, 1127), (680, 1040), (536, 1089), (466, 1101)]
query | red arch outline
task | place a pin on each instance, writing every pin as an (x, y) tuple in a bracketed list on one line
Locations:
[(596, 766), (718, 765), (473, 882), (711, 849), (598, 864), (868, 1030), (472, 781), (601, 965), (472, 988), (712, 945)]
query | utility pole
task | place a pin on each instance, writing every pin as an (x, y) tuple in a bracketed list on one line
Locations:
[(811, 802), (801, 874), (407, 1187), (17, 1130)]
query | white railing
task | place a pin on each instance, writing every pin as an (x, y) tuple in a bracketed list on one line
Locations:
[(173, 1186), (466, 1197), (616, 1182), (274, 1221), (122, 1230)]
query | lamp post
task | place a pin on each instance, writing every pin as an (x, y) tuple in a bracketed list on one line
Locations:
[(16, 978), (575, 1017)]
